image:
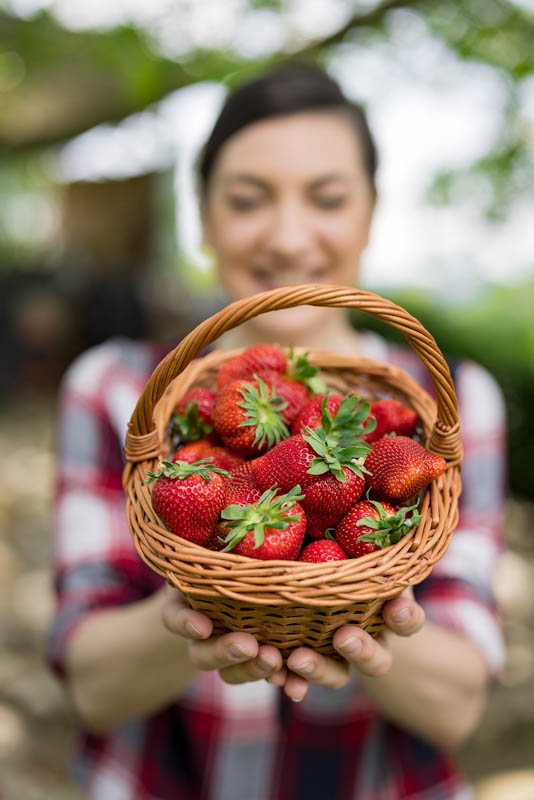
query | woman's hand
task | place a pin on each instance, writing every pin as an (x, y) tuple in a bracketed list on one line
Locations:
[(369, 656), (239, 658)]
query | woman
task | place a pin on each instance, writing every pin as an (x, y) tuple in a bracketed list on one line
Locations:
[(288, 192)]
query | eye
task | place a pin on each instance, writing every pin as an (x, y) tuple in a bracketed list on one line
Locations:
[(243, 203), (330, 201)]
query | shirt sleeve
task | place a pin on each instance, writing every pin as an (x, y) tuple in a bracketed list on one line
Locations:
[(95, 564), (459, 594)]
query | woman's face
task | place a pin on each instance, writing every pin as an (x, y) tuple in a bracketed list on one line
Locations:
[(289, 202)]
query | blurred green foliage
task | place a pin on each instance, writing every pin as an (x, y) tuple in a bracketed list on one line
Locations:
[(497, 331)]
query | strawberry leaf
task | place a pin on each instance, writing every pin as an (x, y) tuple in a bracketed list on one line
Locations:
[(263, 412), (180, 470), (305, 373), (189, 427), (270, 511)]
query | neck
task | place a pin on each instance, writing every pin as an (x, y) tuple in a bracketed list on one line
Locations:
[(336, 334)]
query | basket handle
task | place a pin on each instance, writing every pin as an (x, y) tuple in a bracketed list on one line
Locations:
[(141, 439)]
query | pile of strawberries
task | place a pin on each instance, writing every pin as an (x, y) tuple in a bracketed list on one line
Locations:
[(273, 466)]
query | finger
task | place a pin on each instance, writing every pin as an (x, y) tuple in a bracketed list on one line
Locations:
[(267, 662), (279, 677), (295, 687), (178, 617), (368, 655), (219, 652), (316, 668), (403, 615)]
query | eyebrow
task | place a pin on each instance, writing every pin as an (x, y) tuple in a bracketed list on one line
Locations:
[(244, 177)]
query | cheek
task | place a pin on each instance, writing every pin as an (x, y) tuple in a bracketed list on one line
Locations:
[(345, 237), (235, 238)]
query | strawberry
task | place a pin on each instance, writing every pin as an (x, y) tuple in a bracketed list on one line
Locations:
[(270, 528), (188, 498), (326, 499), (310, 416), (242, 480), (256, 360), (322, 550), (370, 526), (248, 417), (192, 417), (303, 457), (400, 467), (326, 464), (391, 417), (293, 392), (203, 448)]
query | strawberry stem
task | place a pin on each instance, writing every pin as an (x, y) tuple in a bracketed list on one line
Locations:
[(331, 457), (388, 528), (181, 469), (190, 426), (306, 373), (264, 413), (270, 511)]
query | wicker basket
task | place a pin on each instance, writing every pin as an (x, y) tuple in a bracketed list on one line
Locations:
[(283, 603)]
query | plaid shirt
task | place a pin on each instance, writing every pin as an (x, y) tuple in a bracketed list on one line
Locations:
[(249, 742)]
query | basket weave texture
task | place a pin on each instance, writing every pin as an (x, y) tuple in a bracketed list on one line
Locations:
[(283, 603)]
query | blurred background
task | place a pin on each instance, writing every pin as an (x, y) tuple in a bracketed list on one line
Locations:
[(102, 109)]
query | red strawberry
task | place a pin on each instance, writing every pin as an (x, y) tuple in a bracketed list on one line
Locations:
[(248, 417), (293, 392), (391, 417), (188, 498), (271, 528), (310, 416), (242, 480), (370, 526), (322, 550), (192, 417), (302, 457), (330, 475), (255, 360), (327, 499), (399, 468), (219, 456)]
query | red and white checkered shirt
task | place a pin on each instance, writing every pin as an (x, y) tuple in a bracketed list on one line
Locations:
[(249, 742)]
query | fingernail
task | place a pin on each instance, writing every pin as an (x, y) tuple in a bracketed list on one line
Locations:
[(305, 668), (296, 699), (266, 663), (192, 631), (402, 616), (238, 651), (350, 646)]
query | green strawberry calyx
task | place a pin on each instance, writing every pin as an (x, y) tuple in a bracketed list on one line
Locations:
[(333, 454), (388, 528), (304, 372), (264, 413), (348, 422), (190, 426), (270, 511), (178, 470)]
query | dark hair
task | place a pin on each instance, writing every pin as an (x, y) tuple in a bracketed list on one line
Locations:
[(286, 90)]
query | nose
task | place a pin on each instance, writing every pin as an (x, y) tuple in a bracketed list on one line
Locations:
[(289, 234)]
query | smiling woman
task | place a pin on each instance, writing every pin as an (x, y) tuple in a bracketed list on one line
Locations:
[(287, 188)]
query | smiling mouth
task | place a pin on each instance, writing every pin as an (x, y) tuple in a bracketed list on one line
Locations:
[(289, 277)]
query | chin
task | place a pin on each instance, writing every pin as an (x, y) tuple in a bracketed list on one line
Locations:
[(290, 325)]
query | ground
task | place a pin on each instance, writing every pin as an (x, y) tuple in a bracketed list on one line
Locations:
[(37, 727)]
